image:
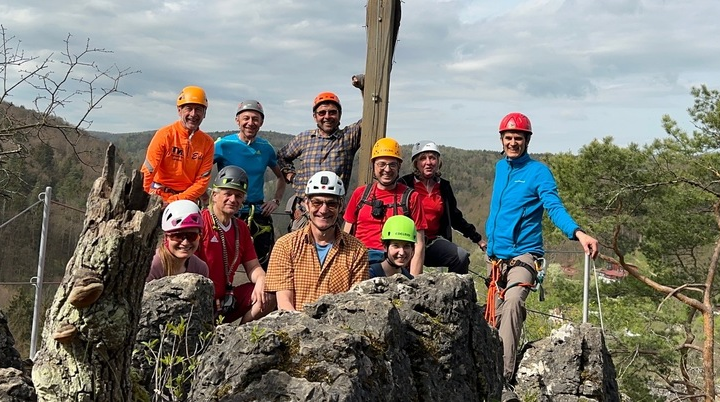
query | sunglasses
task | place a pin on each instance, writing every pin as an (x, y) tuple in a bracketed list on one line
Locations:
[(180, 236), (331, 204), (322, 113)]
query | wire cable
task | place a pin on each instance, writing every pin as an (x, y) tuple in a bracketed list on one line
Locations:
[(597, 292), (22, 212)]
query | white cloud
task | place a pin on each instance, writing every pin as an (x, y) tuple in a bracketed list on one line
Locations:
[(579, 69)]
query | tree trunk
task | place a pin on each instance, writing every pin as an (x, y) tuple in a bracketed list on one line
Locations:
[(90, 330)]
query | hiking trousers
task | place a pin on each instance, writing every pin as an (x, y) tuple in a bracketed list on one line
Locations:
[(441, 252), (510, 313)]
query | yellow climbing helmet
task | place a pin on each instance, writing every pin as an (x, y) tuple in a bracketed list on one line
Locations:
[(386, 147)]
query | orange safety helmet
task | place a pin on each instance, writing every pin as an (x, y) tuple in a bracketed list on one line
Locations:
[(324, 97), (386, 147), (517, 122), (192, 94)]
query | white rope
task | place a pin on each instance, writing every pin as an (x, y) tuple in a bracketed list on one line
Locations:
[(597, 292)]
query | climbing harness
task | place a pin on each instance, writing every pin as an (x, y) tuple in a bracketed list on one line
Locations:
[(498, 285), (258, 229)]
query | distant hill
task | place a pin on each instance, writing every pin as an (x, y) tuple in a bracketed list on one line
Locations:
[(51, 161)]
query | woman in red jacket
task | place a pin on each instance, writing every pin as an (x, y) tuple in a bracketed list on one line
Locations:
[(441, 211)]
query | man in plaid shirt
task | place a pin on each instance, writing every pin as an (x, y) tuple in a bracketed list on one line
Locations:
[(326, 147), (320, 258)]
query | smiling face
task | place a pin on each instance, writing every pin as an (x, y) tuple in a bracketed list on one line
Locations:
[(386, 170), (514, 143), (323, 210), (249, 123), (327, 117), (191, 115), (400, 252), (427, 164), (227, 201), (183, 243)]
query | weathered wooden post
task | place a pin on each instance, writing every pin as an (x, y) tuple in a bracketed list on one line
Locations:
[(383, 22), (90, 330)]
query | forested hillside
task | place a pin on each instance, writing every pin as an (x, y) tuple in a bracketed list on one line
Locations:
[(69, 164)]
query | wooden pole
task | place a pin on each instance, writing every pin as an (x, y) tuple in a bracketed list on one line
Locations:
[(383, 22)]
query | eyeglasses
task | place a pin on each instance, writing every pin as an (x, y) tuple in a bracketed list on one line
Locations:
[(331, 112), (180, 236), (331, 204), (382, 165)]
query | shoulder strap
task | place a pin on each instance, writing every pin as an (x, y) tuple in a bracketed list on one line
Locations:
[(363, 201), (405, 201)]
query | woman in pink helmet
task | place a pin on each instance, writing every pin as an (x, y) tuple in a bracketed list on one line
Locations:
[(181, 222)]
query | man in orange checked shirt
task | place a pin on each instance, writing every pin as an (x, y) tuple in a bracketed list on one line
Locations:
[(179, 158), (320, 258)]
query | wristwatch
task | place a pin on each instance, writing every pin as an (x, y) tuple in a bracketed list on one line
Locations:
[(276, 201)]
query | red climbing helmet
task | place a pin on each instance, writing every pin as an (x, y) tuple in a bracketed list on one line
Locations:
[(517, 122)]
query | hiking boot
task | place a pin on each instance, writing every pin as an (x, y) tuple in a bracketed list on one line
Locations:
[(508, 395)]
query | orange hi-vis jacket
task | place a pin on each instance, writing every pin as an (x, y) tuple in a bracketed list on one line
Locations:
[(177, 166)]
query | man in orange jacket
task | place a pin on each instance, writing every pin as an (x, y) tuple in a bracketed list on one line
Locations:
[(179, 158)]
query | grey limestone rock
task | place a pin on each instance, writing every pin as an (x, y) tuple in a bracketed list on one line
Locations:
[(388, 339)]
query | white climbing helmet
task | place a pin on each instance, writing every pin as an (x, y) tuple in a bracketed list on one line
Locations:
[(325, 182), (424, 146), (181, 214)]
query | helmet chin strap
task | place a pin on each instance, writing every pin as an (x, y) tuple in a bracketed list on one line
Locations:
[(392, 264)]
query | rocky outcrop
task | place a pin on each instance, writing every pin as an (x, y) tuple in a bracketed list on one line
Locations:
[(177, 317), (389, 339), (572, 364), (15, 385), (9, 356)]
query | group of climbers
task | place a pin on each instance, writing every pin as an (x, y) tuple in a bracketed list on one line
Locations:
[(394, 225)]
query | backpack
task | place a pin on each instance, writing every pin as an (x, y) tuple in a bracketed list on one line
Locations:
[(404, 203)]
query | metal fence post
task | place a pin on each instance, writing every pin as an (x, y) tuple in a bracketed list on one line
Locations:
[(47, 198), (586, 288)]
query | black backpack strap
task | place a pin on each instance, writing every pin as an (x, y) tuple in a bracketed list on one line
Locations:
[(363, 201), (405, 201)]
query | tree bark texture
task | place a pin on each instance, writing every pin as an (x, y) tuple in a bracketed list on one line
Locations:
[(91, 326)]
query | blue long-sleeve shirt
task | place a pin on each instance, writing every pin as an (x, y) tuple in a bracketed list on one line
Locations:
[(254, 158), (524, 188)]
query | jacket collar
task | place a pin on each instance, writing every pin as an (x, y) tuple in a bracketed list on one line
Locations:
[(517, 162)]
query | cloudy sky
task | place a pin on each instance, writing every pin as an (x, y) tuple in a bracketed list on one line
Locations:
[(580, 69)]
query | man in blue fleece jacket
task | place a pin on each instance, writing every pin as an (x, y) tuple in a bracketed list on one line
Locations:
[(523, 189)]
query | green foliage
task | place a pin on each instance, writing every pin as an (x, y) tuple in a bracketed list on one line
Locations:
[(660, 202), (257, 333), (174, 359), (19, 316)]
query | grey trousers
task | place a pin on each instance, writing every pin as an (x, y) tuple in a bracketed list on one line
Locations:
[(510, 312)]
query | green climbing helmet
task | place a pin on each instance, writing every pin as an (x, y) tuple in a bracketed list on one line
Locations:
[(399, 227)]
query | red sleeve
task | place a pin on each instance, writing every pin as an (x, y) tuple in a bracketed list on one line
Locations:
[(418, 214), (351, 207), (204, 235)]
